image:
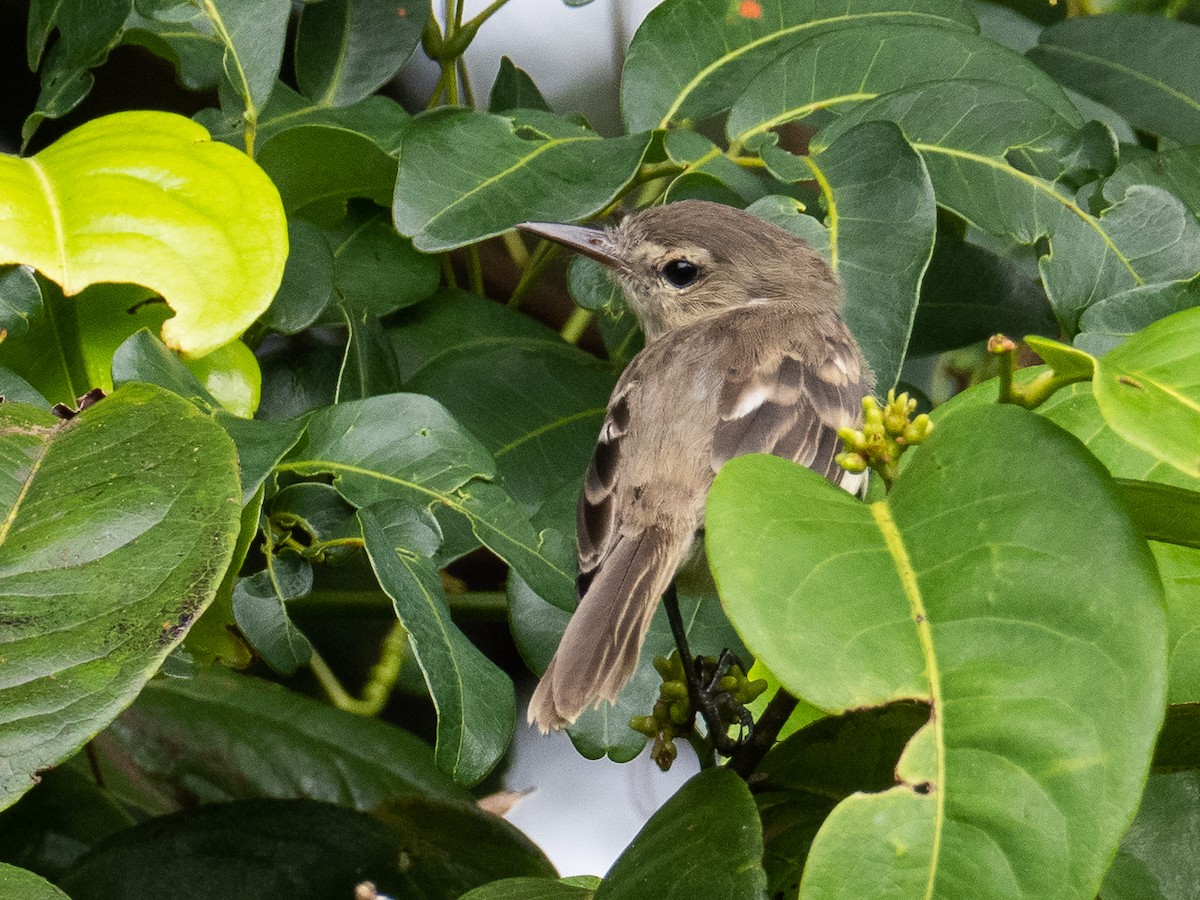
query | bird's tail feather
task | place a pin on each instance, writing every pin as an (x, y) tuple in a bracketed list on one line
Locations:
[(599, 650)]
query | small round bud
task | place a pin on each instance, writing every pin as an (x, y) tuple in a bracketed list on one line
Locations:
[(646, 725), (851, 462)]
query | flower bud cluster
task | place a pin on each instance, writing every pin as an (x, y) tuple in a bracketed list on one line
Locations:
[(887, 431)]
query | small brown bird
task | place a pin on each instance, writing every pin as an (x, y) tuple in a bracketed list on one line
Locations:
[(746, 352)]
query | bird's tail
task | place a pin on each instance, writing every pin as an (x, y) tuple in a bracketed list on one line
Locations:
[(599, 650)]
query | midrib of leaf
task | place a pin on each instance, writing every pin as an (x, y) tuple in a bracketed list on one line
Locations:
[(339, 66), (799, 112), (703, 74), (831, 207), (1051, 49), (548, 427), (52, 206), (214, 16), (492, 179), (1038, 185), (912, 591), (441, 497)]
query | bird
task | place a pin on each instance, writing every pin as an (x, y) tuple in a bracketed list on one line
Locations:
[(746, 352)]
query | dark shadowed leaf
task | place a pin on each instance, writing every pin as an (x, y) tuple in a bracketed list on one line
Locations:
[(20, 300), (260, 609), (1157, 859)]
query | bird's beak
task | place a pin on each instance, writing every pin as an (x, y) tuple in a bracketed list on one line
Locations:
[(593, 242)]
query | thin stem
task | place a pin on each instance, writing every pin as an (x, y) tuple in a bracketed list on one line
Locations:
[(517, 250), (464, 79), (747, 757), (487, 13), (475, 270), (332, 687), (575, 327), (545, 254), (448, 271)]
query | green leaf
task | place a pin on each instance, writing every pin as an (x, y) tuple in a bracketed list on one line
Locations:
[(221, 737), (299, 849), (970, 134), (347, 49), (702, 157), (514, 89), (260, 610), (1148, 390), (474, 699), (706, 841), (307, 286), (16, 882), (1157, 859), (1111, 321), (297, 159), (530, 889), (1163, 512), (407, 447), (1046, 692), (467, 175), (14, 388), (851, 65), (182, 33), (1138, 65), (1176, 170), (147, 198), (144, 358), (119, 525), (251, 34), (369, 366), (882, 222), (691, 58), (376, 268), (20, 300)]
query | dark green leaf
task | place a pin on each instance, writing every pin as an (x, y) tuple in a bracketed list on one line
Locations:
[(1110, 322), (1176, 170), (20, 300), (144, 358), (369, 367), (221, 737), (259, 607), (346, 49), (467, 175), (251, 34), (474, 699), (727, 44), (307, 286), (299, 849), (120, 524), (1138, 65), (703, 157), (882, 221), (377, 269), (1158, 859), (15, 389), (530, 889), (260, 445), (706, 841), (514, 89), (1025, 655), (299, 377)]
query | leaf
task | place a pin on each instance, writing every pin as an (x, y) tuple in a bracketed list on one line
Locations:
[(1157, 859), (1163, 512), (369, 366), (702, 157), (16, 882), (251, 34), (474, 699), (467, 175), (298, 849), (971, 133), (20, 300), (376, 268), (307, 285), (119, 525), (220, 737), (347, 49), (706, 841), (1138, 65), (882, 222), (529, 889), (260, 610), (849, 65), (727, 44), (1176, 170), (407, 447), (1113, 320), (990, 634), (297, 160), (1148, 390), (145, 197), (514, 89)]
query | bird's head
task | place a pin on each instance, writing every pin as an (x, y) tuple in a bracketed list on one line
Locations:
[(683, 261)]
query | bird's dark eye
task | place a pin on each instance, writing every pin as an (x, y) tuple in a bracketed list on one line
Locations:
[(680, 272)]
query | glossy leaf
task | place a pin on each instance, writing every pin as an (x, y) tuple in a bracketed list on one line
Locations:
[(1023, 755), (727, 44), (251, 34), (347, 49), (673, 854), (1162, 512), (1149, 390), (307, 285), (120, 523), (474, 699), (966, 131), (221, 737), (369, 366), (882, 222), (467, 175), (198, 222), (1138, 65)]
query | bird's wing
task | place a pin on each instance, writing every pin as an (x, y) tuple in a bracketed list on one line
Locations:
[(790, 398), (596, 516)]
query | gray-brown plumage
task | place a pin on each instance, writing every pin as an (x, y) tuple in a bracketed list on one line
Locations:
[(746, 353)]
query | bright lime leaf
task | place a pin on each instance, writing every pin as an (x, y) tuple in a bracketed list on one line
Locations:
[(147, 198), (474, 699), (971, 133), (118, 527), (1025, 655), (727, 43), (347, 49), (1149, 390), (467, 175), (1141, 66), (16, 882), (227, 737), (706, 841), (231, 374), (882, 221)]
